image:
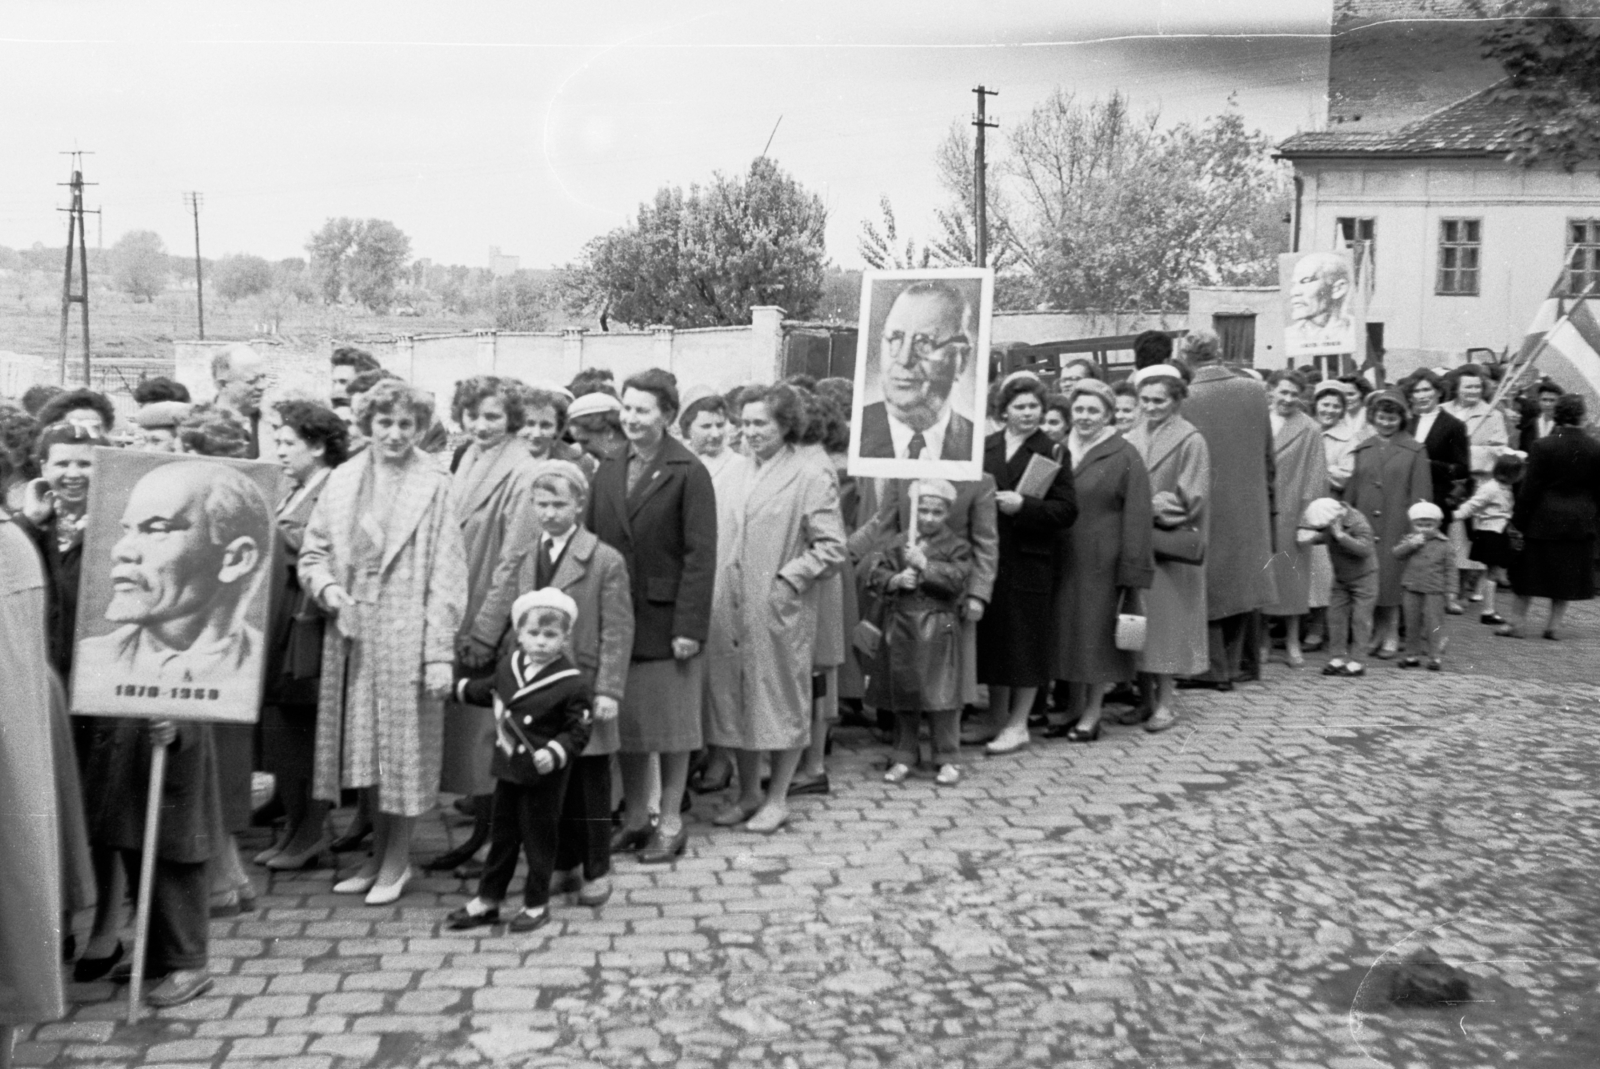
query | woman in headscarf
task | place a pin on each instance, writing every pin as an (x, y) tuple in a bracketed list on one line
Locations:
[(1300, 476), (1105, 557), (1175, 454), (1391, 474)]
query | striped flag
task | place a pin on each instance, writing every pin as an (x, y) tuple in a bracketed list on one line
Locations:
[(1570, 336)]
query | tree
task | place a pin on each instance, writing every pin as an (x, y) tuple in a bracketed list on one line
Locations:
[(237, 277), (521, 303), (705, 257), (881, 249), (139, 264), (376, 263), (1551, 56), (330, 249)]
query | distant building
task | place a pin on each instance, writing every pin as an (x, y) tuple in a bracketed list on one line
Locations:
[(1462, 246), (500, 266)]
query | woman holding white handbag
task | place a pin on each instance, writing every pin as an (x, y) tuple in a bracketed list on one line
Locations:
[(1105, 557)]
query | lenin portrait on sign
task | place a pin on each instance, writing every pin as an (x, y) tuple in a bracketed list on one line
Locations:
[(922, 356), (176, 588), (1319, 298)]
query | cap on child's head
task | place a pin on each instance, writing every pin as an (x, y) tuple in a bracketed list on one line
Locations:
[(940, 488), (1321, 512), (548, 598), (1425, 510)]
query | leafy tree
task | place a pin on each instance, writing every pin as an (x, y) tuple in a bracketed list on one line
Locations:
[(706, 256), (139, 264), (237, 277), (330, 250), (881, 248), (521, 302), (376, 263), (1551, 53)]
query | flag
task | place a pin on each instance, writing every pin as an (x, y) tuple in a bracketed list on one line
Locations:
[(1570, 336)]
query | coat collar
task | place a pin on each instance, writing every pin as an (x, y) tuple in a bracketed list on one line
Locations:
[(490, 472), (1213, 373), (412, 496), (1295, 428), (671, 455), (574, 563), (1101, 450), (1155, 446), (1401, 440)]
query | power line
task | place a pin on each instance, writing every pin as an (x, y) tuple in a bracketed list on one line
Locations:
[(194, 200)]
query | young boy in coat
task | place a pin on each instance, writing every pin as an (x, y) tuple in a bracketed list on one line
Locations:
[(1354, 593), (1426, 578), (916, 670), (542, 714)]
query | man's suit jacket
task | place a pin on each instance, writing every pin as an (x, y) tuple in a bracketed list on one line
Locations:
[(1449, 455), (877, 443), (666, 531)]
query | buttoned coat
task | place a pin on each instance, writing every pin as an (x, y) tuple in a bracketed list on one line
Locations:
[(1391, 475), (666, 531), (1179, 462), (418, 613), (1559, 499), (594, 576), (1449, 458), (783, 535), (1300, 474), (1017, 633), (490, 493), (1105, 551), (1230, 409)]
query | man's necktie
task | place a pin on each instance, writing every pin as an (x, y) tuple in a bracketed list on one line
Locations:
[(918, 444), (547, 565)]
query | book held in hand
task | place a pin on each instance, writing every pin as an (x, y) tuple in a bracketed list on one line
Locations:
[(1037, 477)]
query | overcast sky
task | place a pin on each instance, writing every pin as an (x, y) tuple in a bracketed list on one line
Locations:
[(535, 126)]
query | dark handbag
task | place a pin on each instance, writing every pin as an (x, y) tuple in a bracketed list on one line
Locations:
[(1182, 544)]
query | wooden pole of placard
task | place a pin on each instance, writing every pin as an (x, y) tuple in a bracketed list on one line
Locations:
[(8, 1038), (147, 879)]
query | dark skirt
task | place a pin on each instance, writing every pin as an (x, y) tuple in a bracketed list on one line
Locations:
[(1562, 570), (288, 740), (236, 751), (1016, 638), (661, 709), (1490, 548)]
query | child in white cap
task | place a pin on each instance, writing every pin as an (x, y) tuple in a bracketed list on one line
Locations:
[(1354, 593), (1425, 580), (914, 671), (542, 711)]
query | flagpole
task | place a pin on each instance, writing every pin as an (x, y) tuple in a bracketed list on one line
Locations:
[(1519, 368)]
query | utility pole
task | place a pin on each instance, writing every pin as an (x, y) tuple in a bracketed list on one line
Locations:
[(77, 229), (193, 200), (980, 195)]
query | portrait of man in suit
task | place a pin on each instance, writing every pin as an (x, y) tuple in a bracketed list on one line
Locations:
[(195, 542), (928, 344), (1319, 291)]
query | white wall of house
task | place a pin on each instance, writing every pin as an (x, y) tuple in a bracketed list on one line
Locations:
[(1524, 217)]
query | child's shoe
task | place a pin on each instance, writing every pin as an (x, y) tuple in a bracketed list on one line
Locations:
[(475, 914), (1411, 662), (897, 773), (1434, 665), (949, 776), (1334, 667), (530, 920)]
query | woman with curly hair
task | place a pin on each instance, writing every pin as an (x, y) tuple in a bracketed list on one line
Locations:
[(779, 535)]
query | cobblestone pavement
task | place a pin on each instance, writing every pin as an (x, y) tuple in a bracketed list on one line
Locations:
[(1230, 893)]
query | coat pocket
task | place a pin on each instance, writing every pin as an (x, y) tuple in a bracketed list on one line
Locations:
[(660, 591)]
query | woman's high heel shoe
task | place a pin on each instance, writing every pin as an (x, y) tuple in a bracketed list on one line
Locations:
[(305, 859), (351, 840)]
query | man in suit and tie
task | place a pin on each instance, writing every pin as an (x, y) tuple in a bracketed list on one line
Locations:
[(927, 344), (1539, 423)]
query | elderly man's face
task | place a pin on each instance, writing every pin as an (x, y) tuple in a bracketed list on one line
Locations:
[(244, 383), (164, 566), (1316, 289), (923, 351)]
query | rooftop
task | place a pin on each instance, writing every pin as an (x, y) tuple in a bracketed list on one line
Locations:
[(1482, 124)]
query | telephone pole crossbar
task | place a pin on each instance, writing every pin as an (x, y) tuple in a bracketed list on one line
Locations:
[(980, 195)]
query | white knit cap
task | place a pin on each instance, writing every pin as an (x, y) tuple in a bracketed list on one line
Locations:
[(548, 598), (1424, 510), (1321, 512), (935, 488), (1156, 371), (593, 404)]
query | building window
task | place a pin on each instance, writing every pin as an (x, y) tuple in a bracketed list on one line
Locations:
[(1360, 235), (1583, 255), (1460, 241)]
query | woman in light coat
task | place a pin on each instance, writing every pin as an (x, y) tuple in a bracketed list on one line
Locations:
[(784, 534), (1174, 451), (490, 493), (1300, 476), (1487, 438), (1391, 474), (383, 556)]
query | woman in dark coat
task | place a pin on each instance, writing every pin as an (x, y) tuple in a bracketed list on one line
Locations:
[(1016, 639), (1105, 556), (1391, 474), (654, 504), (310, 442), (1557, 507), (1449, 449)]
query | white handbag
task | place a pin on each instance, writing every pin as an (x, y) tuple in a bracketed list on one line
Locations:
[(1130, 627)]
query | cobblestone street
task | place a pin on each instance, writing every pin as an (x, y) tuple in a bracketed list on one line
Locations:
[(1228, 894)]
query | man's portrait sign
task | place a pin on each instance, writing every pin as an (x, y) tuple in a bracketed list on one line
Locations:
[(172, 604), (1319, 303), (922, 374)]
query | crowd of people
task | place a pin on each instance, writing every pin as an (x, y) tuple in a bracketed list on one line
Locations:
[(588, 603)]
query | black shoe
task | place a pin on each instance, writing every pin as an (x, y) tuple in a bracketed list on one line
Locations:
[(88, 970), (699, 783), (461, 919), (351, 840), (1077, 734), (1202, 684), (661, 850), (1492, 618), (626, 841), (1059, 731), (459, 856), (815, 785), (525, 922), (471, 869), (1410, 662)]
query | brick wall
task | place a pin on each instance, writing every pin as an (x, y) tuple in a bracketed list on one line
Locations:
[(1393, 61)]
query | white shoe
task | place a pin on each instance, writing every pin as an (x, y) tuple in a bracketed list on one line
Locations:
[(949, 775), (355, 885), (1010, 740), (897, 773), (385, 895)]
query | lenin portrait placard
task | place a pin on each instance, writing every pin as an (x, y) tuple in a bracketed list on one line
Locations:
[(922, 374), (1319, 303), (172, 603)]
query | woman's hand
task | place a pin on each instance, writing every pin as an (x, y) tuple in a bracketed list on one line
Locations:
[(474, 653), (1008, 501), (38, 502), (684, 648), (163, 733), (605, 709), (437, 679), (916, 558), (336, 598), (974, 609)]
